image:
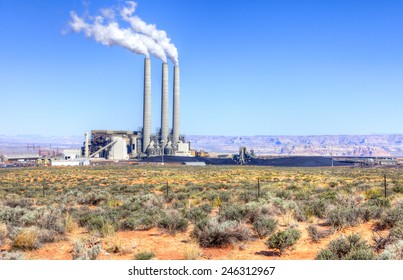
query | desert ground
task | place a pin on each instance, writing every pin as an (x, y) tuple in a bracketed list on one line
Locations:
[(213, 212)]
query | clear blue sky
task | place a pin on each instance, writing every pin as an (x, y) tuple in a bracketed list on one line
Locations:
[(273, 67)]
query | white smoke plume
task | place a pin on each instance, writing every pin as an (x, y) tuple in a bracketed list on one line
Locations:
[(139, 37), (160, 36)]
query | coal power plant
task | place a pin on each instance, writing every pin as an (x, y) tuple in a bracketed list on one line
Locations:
[(125, 145)]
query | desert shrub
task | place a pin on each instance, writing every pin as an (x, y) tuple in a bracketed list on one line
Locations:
[(379, 202), (344, 217), (284, 206), (19, 202), (247, 196), (373, 193), (283, 240), (114, 246), (315, 234), (264, 226), (173, 221), (86, 249), (12, 216), (398, 189), (3, 233), (206, 208), (93, 198), (328, 195), (70, 223), (26, 239), (98, 223), (393, 251), (232, 213), (347, 248), (52, 219), (139, 221), (284, 194), (47, 236), (396, 233), (14, 255), (369, 212), (145, 255), (212, 233), (317, 208), (391, 217), (196, 214)]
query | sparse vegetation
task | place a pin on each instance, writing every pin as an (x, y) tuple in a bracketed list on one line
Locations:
[(283, 240), (351, 247), (86, 249), (146, 255), (47, 205)]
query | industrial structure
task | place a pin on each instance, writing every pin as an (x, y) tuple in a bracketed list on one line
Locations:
[(124, 145)]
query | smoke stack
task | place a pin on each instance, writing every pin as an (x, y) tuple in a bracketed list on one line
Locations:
[(86, 146), (147, 105), (164, 106), (176, 111)]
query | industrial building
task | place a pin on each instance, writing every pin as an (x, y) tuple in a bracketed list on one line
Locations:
[(125, 145)]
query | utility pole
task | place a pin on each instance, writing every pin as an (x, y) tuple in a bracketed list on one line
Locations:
[(258, 188)]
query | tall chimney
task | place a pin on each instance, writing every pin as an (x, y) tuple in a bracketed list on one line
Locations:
[(86, 146), (164, 106), (147, 105), (176, 111)]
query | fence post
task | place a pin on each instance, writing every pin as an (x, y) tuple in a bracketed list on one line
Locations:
[(384, 183), (258, 188)]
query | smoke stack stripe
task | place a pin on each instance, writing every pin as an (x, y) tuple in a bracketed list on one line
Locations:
[(164, 106), (147, 105), (176, 110)]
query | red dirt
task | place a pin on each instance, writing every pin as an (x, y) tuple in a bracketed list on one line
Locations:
[(172, 247)]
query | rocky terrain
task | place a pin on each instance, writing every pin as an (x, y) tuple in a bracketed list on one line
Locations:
[(327, 145)]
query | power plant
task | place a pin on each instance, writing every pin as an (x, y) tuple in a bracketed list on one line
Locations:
[(124, 145)]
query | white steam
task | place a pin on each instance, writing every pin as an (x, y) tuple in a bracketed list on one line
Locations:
[(140, 37)]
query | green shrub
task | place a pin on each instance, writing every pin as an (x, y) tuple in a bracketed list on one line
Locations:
[(172, 221), (12, 216), (86, 249), (347, 248), (264, 226), (283, 240), (398, 189), (52, 219), (232, 213), (212, 233), (315, 234), (138, 221), (393, 251), (196, 214), (391, 217), (47, 236), (344, 217), (144, 255)]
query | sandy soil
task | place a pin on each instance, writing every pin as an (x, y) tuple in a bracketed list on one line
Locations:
[(172, 247)]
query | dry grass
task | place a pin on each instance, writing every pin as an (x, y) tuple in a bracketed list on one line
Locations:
[(192, 251), (26, 239)]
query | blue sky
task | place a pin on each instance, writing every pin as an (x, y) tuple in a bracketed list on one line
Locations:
[(274, 67)]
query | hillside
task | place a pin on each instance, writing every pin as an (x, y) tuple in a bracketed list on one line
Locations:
[(336, 145)]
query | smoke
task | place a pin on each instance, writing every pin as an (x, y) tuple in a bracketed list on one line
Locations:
[(159, 36), (139, 37)]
